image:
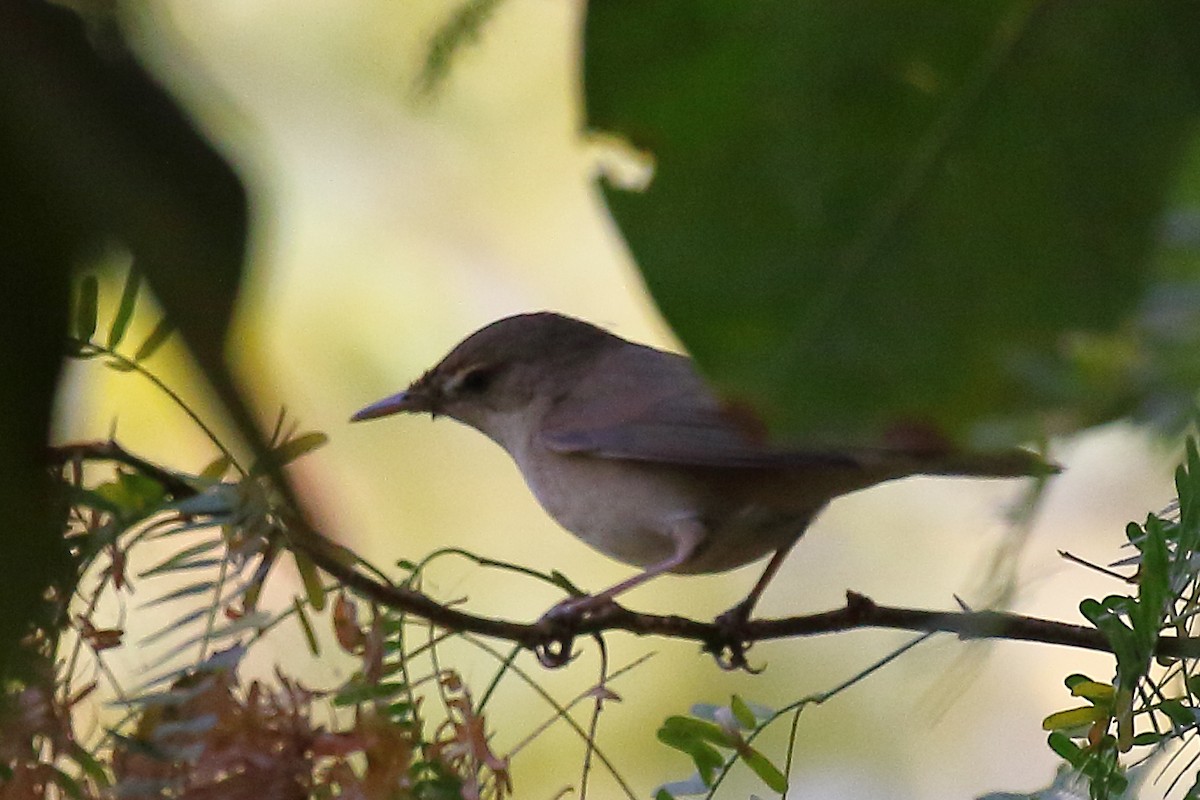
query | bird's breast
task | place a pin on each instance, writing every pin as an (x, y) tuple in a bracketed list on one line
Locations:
[(629, 509)]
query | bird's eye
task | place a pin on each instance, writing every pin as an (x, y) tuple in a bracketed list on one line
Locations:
[(474, 380)]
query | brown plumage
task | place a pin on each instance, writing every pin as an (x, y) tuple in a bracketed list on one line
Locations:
[(628, 448)]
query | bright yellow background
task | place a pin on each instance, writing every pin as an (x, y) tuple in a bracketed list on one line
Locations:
[(386, 228)]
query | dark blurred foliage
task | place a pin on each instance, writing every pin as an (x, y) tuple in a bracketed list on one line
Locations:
[(871, 217), (93, 152)]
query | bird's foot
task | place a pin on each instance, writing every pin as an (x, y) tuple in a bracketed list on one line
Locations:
[(730, 645), (577, 609), (561, 623)]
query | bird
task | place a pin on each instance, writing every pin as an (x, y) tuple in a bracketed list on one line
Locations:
[(630, 449)]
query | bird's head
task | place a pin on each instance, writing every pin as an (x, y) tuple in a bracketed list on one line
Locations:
[(501, 371)]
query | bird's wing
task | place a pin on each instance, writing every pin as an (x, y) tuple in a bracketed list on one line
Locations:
[(645, 405)]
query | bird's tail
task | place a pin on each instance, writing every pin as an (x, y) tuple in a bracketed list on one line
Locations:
[(1012, 463)]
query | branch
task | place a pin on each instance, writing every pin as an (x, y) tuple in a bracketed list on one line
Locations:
[(174, 484), (551, 639)]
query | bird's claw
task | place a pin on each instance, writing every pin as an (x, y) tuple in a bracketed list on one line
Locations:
[(561, 623), (555, 652), (730, 645)]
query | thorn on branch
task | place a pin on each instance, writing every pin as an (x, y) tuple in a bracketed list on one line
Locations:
[(859, 607)]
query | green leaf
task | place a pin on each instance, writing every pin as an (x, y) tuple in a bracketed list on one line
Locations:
[(190, 590), (174, 626), (183, 558), (1134, 533), (1149, 738), (1094, 691), (116, 365), (90, 765), (155, 340), (1071, 681), (67, 783), (1130, 662), (255, 621), (869, 213), (216, 468), (742, 713), (94, 499), (765, 770), (1074, 719), (133, 493), (679, 728), (463, 27), (707, 760), (1193, 456), (85, 309), (400, 712), (695, 738), (1154, 587), (310, 635), (124, 313), (1070, 752), (1187, 484), (314, 590), (356, 693), (292, 449), (1178, 713)]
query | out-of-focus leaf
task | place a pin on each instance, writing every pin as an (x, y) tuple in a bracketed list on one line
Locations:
[(356, 693), (155, 340), (761, 766), (124, 314), (216, 468), (1149, 738), (742, 713), (191, 590), (134, 494), (181, 559), (90, 765), (1071, 681), (67, 783), (292, 449), (117, 365), (1105, 616), (461, 28), (87, 302), (314, 590), (873, 216), (310, 635), (1074, 718), (1178, 713), (679, 728), (1068, 750), (1091, 690)]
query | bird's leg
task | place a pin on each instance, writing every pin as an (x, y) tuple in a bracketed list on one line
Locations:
[(732, 620), (562, 620), (687, 535), (729, 649)]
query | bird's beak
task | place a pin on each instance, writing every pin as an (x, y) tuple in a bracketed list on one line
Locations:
[(412, 401)]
